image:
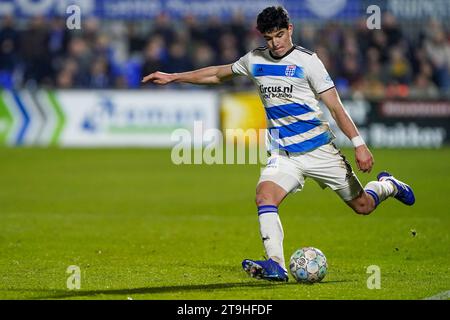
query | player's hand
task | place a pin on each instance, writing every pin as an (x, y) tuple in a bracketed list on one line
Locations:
[(364, 158), (158, 78)]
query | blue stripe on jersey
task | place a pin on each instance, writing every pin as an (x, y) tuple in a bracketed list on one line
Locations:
[(295, 128), (291, 109), (310, 144), (259, 70)]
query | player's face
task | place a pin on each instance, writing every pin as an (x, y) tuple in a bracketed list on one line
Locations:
[(279, 41)]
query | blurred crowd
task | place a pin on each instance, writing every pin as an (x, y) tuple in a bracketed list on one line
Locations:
[(389, 62)]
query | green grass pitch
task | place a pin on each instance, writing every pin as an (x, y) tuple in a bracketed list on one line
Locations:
[(140, 227)]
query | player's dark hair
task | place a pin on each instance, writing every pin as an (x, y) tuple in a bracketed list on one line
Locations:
[(272, 19)]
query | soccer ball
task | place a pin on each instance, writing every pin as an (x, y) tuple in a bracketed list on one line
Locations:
[(308, 265)]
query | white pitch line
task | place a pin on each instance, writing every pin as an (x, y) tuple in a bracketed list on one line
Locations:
[(445, 295)]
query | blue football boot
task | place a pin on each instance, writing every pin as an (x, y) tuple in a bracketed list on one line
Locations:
[(265, 269), (404, 192)]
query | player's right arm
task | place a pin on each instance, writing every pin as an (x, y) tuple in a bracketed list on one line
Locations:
[(208, 75), (324, 86), (363, 156)]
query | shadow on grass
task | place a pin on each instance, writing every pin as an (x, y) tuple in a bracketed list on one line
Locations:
[(61, 294)]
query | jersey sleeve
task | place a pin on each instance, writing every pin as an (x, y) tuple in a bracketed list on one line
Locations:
[(318, 76), (241, 67)]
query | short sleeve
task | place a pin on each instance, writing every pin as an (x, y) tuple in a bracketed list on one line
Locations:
[(318, 76), (241, 67)]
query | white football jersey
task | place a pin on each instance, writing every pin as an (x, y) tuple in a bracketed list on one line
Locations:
[(288, 86)]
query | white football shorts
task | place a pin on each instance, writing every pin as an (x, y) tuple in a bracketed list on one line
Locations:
[(326, 165)]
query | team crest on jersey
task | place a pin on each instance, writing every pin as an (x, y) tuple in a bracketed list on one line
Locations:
[(290, 70)]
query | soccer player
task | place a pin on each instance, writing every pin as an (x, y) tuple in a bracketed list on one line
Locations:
[(291, 79)]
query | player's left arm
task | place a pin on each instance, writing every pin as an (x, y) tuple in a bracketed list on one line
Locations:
[(363, 156)]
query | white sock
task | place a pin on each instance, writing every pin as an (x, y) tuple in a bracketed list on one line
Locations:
[(380, 190), (271, 233)]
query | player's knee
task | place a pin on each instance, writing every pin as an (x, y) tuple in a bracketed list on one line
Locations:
[(363, 208), (363, 204), (263, 198)]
